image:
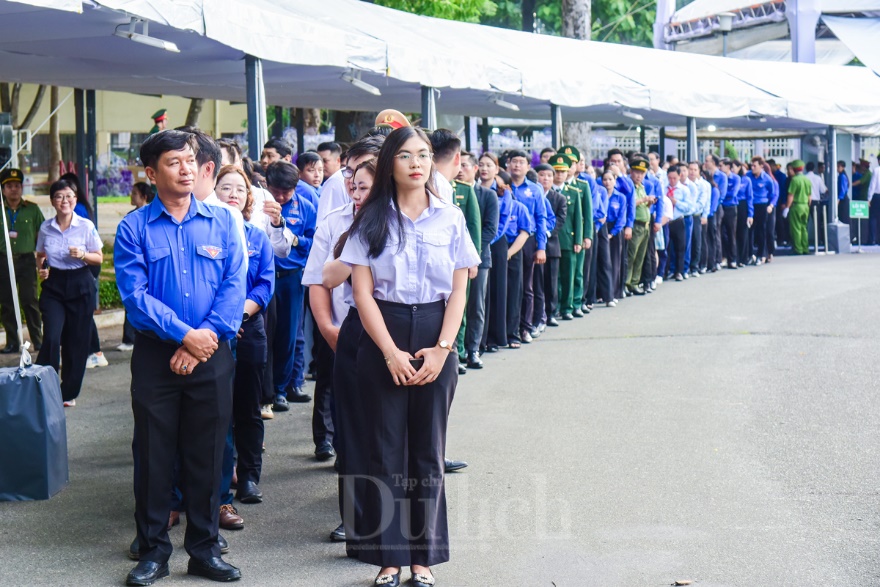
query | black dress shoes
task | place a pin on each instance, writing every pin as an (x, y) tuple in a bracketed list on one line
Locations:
[(473, 361), (146, 573), (298, 396), (214, 568), (338, 535), (9, 349), (578, 313), (249, 492), (567, 316), (134, 550), (388, 580), (462, 370), (552, 321), (492, 348), (451, 465), (325, 452)]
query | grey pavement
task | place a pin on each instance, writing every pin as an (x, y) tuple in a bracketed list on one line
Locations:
[(723, 430)]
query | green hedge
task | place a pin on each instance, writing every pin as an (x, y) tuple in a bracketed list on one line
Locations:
[(108, 294)]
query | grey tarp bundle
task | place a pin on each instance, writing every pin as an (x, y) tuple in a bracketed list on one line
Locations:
[(33, 434)]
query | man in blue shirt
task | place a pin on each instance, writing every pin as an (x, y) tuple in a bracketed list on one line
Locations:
[(764, 199), (534, 250), (300, 216), (181, 277), (713, 262), (842, 192)]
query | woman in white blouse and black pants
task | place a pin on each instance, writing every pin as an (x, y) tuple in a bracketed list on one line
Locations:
[(66, 245), (410, 254)]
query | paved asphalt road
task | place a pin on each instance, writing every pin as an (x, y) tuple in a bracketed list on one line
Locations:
[(723, 430)]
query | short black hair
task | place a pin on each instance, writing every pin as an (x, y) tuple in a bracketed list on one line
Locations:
[(282, 175), (377, 131), (369, 145), (208, 151), (841, 163), (715, 159), (811, 166), (518, 153), (470, 156), (726, 161), (164, 141), (674, 169), (544, 167), (614, 151), (232, 148), (282, 146), (330, 146), (671, 158), (445, 144), (547, 150), (308, 158)]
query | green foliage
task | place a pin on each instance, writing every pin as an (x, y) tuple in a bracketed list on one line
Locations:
[(630, 22), (464, 10), (108, 294)]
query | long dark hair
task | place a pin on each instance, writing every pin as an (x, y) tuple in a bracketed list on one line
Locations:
[(372, 223), (370, 167)]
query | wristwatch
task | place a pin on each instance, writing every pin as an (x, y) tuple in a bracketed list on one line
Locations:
[(246, 317), (444, 344)]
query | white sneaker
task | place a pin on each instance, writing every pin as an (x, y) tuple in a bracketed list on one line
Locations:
[(658, 281), (70, 403), (125, 347), (266, 412), (96, 360)]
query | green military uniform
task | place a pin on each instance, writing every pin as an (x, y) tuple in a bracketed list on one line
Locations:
[(157, 117), (587, 213), (466, 198), (638, 245), (801, 188), (571, 234), (23, 224)]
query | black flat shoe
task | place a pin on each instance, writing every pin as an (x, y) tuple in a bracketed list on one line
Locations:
[(492, 349), (325, 452), (388, 580), (297, 396), (214, 568), (567, 316), (420, 580), (462, 370), (552, 322), (338, 535), (473, 361), (450, 465), (249, 492), (578, 313), (9, 349), (146, 573)]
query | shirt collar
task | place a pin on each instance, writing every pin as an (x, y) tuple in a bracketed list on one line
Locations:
[(157, 208), (74, 221)]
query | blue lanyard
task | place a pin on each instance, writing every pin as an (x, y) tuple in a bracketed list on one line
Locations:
[(12, 217)]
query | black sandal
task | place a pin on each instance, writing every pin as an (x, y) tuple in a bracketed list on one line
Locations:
[(514, 345)]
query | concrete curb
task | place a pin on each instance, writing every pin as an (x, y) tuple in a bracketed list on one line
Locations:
[(105, 319)]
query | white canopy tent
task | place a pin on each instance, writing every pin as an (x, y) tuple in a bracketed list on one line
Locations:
[(860, 35)]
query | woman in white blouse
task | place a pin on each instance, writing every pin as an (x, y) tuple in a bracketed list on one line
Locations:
[(66, 245)]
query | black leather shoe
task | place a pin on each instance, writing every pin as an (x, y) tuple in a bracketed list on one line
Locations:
[(249, 492), (577, 313), (298, 396), (420, 580), (338, 535), (280, 404), (146, 573), (552, 322), (462, 370), (473, 361), (221, 542), (567, 316), (9, 349), (451, 465), (325, 452), (214, 568), (134, 551), (492, 348)]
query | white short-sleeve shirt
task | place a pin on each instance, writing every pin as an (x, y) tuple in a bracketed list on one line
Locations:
[(56, 243)]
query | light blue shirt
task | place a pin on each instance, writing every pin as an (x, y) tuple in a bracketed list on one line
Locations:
[(175, 276), (418, 271), (56, 244)]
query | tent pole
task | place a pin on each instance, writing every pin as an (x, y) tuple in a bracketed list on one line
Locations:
[(300, 130), (467, 134), (556, 125), (88, 175), (643, 139), (830, 171), (662, 146), (79, 106), (429, 108), (256, 105), (484, 134), (691, 145)]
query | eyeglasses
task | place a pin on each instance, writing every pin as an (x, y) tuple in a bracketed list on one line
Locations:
[(228, 189), (407, 157), (64, 197), (347, 172)]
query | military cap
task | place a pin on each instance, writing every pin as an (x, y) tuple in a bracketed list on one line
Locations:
[(560, 162), (392, 118), (639, 165), (11, 174), (572, 151), (160, 115), (798, 165)]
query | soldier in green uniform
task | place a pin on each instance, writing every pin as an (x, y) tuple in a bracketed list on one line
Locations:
[(447, 160), (641, 229), (798, 208), (23, 220), (160, 121), (571, 235), (587, 225)]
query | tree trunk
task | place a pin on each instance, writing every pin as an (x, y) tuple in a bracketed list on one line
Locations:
[(4, 97), (351, 125), (35, 107), (13, 104), (54, 138), (528, 15), (576, 24), (194, 112)]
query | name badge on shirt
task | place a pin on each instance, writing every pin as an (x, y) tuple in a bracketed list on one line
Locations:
[(13, 234)]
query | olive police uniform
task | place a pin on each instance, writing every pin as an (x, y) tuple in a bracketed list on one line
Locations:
[(587, 229), (466, 199), (571, 234)]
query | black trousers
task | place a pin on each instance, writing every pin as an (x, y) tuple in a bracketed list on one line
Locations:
[(678, 244), (495, 334), (696, 244), (762, 232), (477, 307), (68, 304), (728, 225), (528, 284), (248, 429), (719, 250), (351, 438), (551, 287), (616, 246), (128, 332), (743, 232), (600, 268), (514, 296), (538, 286), (710, 234), (322, 412), (26, 278), (186, 416), (405, 501), (269, 322)]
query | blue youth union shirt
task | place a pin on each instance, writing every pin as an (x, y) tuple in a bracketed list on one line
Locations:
[(175, 276), (300, 217)]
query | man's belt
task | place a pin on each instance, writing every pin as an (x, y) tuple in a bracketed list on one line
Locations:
[(286, 272)]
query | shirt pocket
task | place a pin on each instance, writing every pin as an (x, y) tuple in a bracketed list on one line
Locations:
[(210, 263), (439, 264)]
